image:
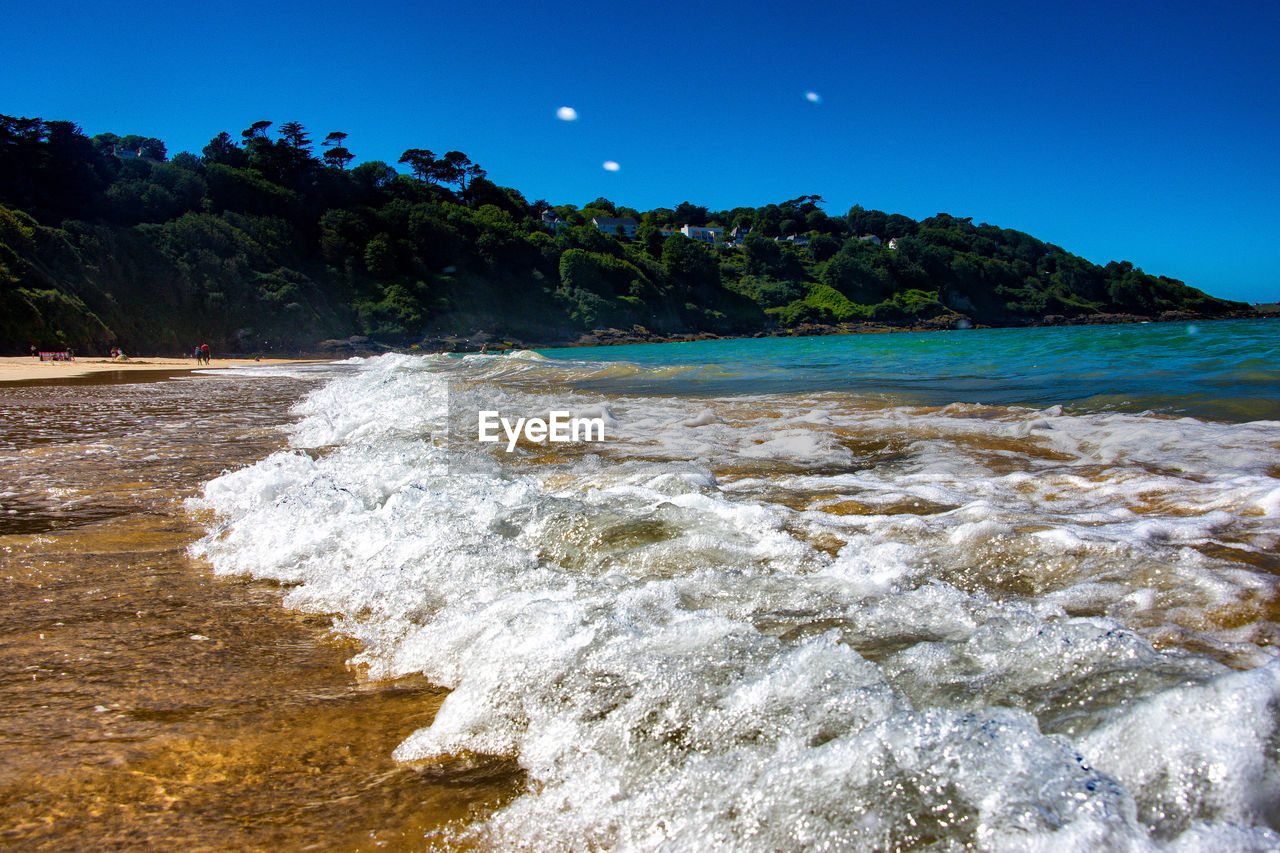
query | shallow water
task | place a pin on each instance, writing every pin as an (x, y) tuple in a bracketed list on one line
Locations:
[(1219, 370), (818, 613), (148, 704)]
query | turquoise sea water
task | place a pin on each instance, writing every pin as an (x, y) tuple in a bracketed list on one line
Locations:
[(1225, 370)]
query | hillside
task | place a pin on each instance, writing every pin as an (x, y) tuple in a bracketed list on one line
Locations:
[(260, 243)]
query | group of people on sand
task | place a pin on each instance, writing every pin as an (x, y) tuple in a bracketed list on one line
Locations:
[(202, 354), (67, 354)]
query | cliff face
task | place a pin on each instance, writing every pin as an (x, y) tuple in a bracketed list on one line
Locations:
[(261, 246)]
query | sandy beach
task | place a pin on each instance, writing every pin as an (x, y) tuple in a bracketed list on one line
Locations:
[(150, 704), (28, 369)]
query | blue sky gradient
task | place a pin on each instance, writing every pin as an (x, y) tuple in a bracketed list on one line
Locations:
[(1147, 131)]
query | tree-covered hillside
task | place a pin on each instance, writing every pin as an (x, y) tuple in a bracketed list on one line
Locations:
[(270, 240)]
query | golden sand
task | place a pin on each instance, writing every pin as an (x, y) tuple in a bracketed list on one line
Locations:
[(29, 369)]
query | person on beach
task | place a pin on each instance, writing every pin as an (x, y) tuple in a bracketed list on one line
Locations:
[(204, 353)]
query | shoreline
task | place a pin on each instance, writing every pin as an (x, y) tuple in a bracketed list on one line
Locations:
[(363, 345), (25, 369), (29, 369), (948, 323)]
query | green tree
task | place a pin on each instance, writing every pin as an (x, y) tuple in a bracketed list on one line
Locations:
[(855, 278), (600, 207), (295, 136), (221, 149), (690, 265), (687, 213), (764, 257), (600, 274), (421, 162), (457, 168), (336, 153), (257, 130), (338, 156), (374, 175), (897, 225), (823, 247), (651, 239), (380, 256)]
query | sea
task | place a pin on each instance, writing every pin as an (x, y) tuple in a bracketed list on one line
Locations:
[(990, 589)]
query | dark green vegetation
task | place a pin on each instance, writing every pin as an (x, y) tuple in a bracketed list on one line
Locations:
[(261, 243)]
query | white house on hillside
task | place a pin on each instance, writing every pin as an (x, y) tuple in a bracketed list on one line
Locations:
[(610, 225), (697, 232)]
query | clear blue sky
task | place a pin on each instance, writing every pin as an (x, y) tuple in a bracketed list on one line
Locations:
[(1140, 131)]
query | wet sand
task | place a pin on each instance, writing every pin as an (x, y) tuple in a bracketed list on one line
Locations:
[(28, 369), (149, 704)]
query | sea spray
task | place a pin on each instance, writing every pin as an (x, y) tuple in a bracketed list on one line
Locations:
[(795, 621)]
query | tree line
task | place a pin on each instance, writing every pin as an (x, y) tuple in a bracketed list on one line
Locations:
[(266, 239)]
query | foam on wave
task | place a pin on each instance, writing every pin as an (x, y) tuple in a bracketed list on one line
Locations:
[(796, 623)]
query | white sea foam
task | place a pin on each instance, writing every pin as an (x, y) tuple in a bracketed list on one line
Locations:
[(264, 371), (790, 623)]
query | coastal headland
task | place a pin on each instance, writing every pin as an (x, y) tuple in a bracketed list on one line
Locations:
[(263, 247)]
